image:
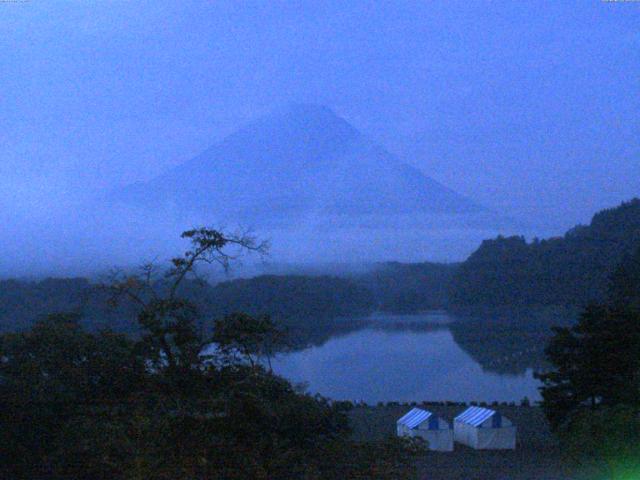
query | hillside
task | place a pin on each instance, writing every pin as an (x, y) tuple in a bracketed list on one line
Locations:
[(408, 287), (571, 270), (293, 300)]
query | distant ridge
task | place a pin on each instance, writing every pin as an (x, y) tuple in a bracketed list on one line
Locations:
[(301, 160)]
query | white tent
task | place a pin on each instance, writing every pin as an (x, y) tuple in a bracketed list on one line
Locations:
[(424, 424), (482, 428)]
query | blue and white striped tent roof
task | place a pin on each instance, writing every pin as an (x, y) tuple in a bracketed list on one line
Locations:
[(414, 418), (475, 415)]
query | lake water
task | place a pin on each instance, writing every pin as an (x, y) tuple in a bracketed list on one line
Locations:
[(417, 358)]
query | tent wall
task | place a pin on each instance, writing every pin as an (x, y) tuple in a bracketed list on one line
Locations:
[(464, 434), (439, 440), (483, 437), (496, 438)]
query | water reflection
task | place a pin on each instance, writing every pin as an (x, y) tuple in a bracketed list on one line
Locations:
[(437, 356), (508, 340)]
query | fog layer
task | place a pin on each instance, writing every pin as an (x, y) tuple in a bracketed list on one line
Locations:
[(528, 110)]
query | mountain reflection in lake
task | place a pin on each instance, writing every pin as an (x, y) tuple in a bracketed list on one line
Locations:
[(433, 357)]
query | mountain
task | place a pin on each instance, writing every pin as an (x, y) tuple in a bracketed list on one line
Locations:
[(298, 161)]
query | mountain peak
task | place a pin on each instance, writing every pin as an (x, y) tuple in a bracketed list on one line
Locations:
[(306, 110), (312, 121)]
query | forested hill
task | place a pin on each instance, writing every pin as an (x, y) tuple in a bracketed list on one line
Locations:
[(292, 300), (571, 270), (408, 287)]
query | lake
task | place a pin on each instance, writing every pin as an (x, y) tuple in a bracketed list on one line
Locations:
[(429, 357)]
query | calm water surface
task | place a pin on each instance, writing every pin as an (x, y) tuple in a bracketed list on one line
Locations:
[(403, 358)]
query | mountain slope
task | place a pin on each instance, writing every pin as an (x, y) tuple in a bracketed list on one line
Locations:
[(297, 161)]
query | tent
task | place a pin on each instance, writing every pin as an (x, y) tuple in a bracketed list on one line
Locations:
[(482, 428), (424, 424)]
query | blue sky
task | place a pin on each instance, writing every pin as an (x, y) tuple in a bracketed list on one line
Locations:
[(529, 107)]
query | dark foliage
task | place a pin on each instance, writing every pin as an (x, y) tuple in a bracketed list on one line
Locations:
[(597, 362), (240, 336), (292, 299), (569, 270), (606, 441), (592, 394), (409, 287), (625, 283), (22, 303), (55, 380)]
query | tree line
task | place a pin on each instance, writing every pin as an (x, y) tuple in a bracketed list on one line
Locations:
[(301, 302)]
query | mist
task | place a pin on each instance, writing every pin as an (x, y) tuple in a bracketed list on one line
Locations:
[(527, 110)]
